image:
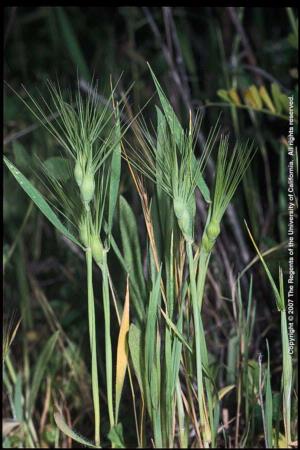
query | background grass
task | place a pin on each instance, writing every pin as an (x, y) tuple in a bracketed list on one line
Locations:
[(195, 52)]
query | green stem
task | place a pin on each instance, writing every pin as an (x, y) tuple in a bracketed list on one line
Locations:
[(203, 265), (92, 333), (204, 258), (196, 314), (182, 420), (108, 351), (287, 376), (11, 369), (292, 20)]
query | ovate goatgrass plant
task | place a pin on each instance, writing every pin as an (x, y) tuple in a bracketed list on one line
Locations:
[(169, 161), (90, 136)]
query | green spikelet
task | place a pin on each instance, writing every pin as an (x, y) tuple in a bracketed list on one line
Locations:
[(213, 230), (83, 233), (184, 216), (78, 173), (97, 249), (87, 187), (207, 243)]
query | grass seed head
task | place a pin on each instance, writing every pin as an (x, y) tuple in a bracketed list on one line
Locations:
[(231, 167)]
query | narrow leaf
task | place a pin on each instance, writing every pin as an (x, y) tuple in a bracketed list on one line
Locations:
[(116, 436), (115, 172), (135, 349), (40, 202), (60, 422), (278, 298), (176, 331), (40, 369), (132, 256)]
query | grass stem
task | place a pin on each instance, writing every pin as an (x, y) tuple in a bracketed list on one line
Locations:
[(108, 350), (203, 265), (92, 333), (196, 313)]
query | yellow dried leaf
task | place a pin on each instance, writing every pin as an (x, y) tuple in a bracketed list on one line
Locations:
[(234, 96), (256, 97), (249, 100), (266, 99), (225, 390), (122, 351)]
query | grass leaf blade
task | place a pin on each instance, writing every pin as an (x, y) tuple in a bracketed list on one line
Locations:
[(40, 369), (60, 422), (40, 202)]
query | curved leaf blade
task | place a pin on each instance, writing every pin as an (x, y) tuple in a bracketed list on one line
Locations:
[(122, 352), (40, 202), (60, 422)]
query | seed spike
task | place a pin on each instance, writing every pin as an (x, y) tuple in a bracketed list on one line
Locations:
[(229, 173)]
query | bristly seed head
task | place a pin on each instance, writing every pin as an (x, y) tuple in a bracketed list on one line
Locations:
[(229, 173), (231, 167), (90, 133)]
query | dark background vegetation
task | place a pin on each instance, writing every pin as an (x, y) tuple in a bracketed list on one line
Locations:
[(194, 52)]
